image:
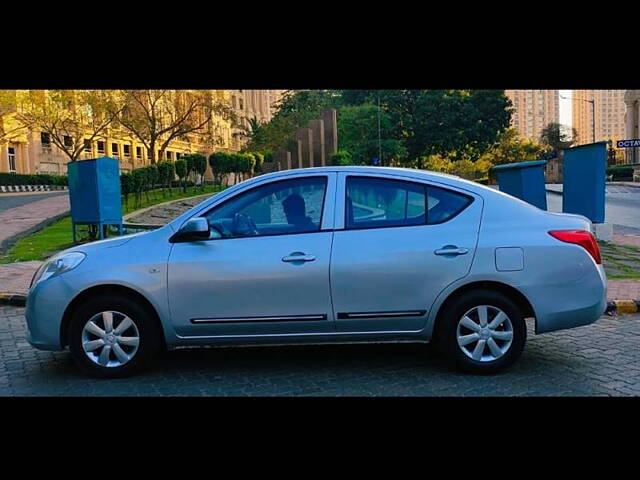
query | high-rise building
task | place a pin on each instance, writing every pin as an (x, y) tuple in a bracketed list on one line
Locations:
[(609, 110), (534, 110)]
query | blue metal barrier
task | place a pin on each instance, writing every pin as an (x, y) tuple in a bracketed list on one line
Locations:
[(524, 180), (584, 179), (94, 193)]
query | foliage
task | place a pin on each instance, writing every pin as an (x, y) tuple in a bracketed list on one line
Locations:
[(158, 117), (464, 167), (558, 136), (69, 117), (341, 158), (259, 160), (39, 179), (414, 123), (295, 110), (358, 133), (181, 171), (511, 148), (199, 166), (620, 172)]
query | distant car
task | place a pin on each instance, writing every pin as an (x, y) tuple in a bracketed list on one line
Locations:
[(332, 254)]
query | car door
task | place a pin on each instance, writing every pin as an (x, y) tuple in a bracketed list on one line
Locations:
[(398, 243), (269, 271)]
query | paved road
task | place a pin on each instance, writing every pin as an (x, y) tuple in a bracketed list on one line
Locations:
[(600, 359), (8, 201), (622, 208)]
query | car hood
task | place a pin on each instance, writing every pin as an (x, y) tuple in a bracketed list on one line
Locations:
[(102, 244)]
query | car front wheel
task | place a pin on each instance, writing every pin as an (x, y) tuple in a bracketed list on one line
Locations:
[(113, 336), (483, 332)]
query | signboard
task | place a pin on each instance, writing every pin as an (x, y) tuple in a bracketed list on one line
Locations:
[(628, 143)]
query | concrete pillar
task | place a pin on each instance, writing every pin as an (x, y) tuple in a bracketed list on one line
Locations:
[(305, 137), (629, 120), (330, 120), (317, 129), (283, 159), (296, 154)]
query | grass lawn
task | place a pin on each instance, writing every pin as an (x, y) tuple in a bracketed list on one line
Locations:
[(620, 261), (53, 238)]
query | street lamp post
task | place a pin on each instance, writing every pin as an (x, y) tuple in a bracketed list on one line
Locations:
[(593, 116)]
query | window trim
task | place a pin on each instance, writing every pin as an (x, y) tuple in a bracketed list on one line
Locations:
[(424, 185), (324, 178)]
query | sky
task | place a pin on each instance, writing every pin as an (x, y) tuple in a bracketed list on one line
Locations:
[(565, 108)]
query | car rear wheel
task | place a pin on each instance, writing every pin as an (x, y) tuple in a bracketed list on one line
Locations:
[(483, 332), (113, 336)]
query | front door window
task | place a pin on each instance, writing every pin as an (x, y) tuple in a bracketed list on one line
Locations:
[(279, 208)]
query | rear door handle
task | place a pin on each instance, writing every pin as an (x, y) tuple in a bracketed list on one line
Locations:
[(298, 257), (452, 251)]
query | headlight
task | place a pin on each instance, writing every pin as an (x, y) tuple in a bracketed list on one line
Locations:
[(58, 265)]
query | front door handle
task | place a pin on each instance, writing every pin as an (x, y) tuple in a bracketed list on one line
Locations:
[(454, 251), (298, 257)]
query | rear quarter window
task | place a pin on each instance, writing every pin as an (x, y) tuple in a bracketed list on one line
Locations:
[(443, 204), (380, 203)]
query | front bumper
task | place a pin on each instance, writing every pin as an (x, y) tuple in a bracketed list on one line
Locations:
[(45, 307)]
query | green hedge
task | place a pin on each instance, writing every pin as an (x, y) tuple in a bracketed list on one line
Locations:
[(620, 172), (7, 179)]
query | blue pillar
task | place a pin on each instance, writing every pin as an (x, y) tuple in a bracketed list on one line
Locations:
[(584, 177), (524, 180)]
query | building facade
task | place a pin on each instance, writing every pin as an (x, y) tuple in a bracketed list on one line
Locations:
[(609, 109), (32, 152), (534, 110), (252, 104), (632, 125)]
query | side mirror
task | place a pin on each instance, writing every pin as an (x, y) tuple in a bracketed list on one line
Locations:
[(193, 230)]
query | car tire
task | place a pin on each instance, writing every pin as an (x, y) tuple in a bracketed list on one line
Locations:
[(480, 345), (113, 336)]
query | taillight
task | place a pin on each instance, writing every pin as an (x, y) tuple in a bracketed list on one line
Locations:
[(580, 237)]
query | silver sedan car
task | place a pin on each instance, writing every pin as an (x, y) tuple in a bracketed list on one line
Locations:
[(332, 254)]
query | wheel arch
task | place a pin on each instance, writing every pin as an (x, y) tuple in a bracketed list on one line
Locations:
[(112, 289), (516, 295)]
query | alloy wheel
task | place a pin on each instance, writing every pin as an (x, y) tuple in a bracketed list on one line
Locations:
[(484, 333), (110, 339)]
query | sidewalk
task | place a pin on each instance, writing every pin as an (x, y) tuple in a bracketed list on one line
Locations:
[(24, 219), (16, 277)]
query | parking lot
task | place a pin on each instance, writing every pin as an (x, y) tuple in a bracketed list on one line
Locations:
[(602, 359)]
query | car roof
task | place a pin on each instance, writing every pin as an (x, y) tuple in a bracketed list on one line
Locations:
[(445, 178)]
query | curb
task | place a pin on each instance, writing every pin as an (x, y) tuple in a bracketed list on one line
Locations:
[(146, 209), (15, 299), (622, 306)]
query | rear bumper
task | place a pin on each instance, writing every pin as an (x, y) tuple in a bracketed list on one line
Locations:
[(571, 305)]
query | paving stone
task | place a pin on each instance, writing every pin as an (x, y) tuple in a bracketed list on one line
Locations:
[(602, 359)]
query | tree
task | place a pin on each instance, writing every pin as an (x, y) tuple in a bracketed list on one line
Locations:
[(219, 162), (181, 172), (158, 117), (511, 148), (358, 133), (341, 158), (558, 136), (295, 110), (200, 166), (10, 128), (447, 121), (69, 117)]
